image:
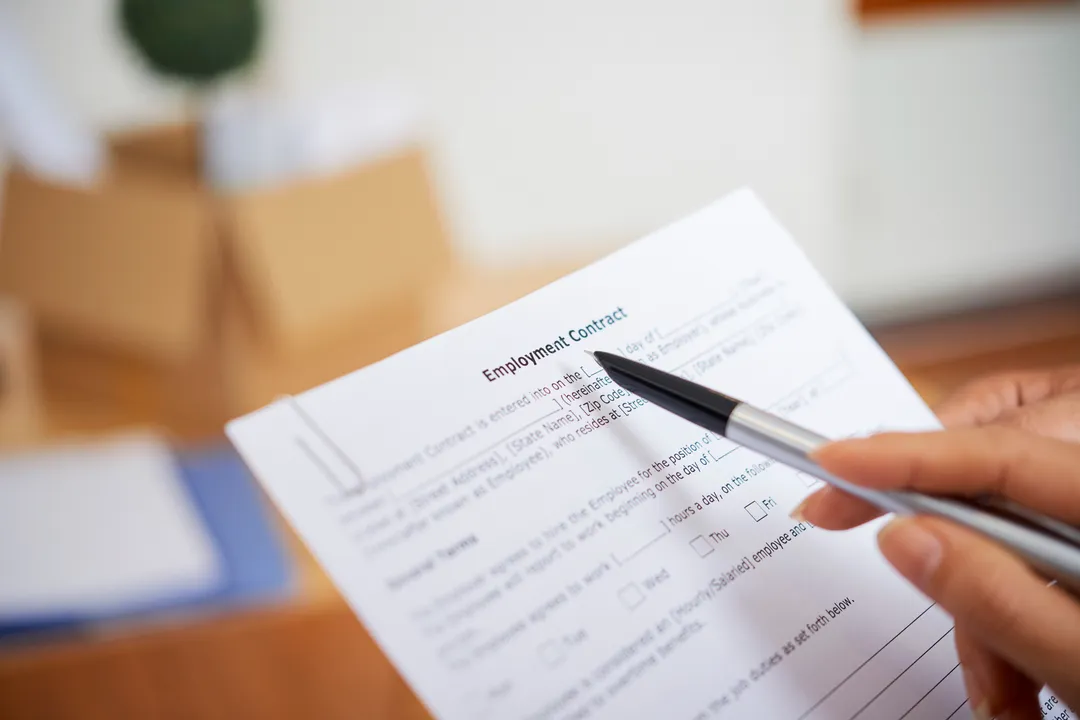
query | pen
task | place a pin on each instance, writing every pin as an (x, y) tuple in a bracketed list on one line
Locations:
[(1048, 545)]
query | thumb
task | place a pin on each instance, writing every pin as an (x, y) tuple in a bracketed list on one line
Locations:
[(994, 596)]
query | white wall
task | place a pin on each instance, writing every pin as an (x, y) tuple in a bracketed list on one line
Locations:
[(967, 162), (565, 125), (561, 123), (79, 48)]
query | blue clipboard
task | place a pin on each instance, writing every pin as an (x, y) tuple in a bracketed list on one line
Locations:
[(256, 567)]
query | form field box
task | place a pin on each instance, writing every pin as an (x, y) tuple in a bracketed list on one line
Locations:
[(552, 653), (631, 596), (702, 546), (632, 540), (755, 511), (809, 480)]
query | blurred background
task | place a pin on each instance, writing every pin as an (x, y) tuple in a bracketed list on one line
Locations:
[(209, 203)]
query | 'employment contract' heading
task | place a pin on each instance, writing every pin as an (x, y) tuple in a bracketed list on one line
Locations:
[(560, 343)]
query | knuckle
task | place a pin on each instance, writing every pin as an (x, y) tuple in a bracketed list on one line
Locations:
[(997, 386), (1002, 607), (1001, 436), (1069, 380), (1023, 420)]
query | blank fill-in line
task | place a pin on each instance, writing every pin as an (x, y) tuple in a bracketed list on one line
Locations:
[(718, 459), (590, 374), (644, 547), (927, 693), (839, 362), (745, 329), (958, 709), (850, 675), (697, 318), (483, 451), (902, 672)]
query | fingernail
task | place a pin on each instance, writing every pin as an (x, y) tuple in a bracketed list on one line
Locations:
[(797, 513), (1009, 715), (912, 549), (977, 681), (976, 696)]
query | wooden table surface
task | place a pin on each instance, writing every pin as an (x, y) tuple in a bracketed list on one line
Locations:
[(310, 657)]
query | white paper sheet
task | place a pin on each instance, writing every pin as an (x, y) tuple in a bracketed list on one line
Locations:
[(526, 540), (90, 530)]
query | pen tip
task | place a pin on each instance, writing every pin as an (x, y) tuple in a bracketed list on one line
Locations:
[(591, 354)]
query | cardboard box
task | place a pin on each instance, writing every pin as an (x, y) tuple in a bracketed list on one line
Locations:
[(324, 275), (173, 149), (90, 388), (20, 399), (310, 257), (127, 264), (256, 370)]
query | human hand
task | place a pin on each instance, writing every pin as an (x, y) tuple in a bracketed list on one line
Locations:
[(1014, 633), (1046, 402)]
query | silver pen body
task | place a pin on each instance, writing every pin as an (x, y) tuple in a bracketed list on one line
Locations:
[(791, 445)]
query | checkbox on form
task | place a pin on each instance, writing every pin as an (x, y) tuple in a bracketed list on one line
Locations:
[(755, 511), (631, 596), (809, 480), (702, 546)]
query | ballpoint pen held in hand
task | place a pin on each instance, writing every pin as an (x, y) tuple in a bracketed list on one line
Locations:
[(1050, 546)]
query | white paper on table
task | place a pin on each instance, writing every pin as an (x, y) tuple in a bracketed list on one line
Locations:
[(92, 529), (533, 542)]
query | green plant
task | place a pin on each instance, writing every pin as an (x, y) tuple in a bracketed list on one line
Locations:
[(197, 41)]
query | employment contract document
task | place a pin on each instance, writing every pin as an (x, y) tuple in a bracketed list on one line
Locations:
[(527, 540)]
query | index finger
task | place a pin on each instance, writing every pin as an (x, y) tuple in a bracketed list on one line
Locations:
[(1040, 473)]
